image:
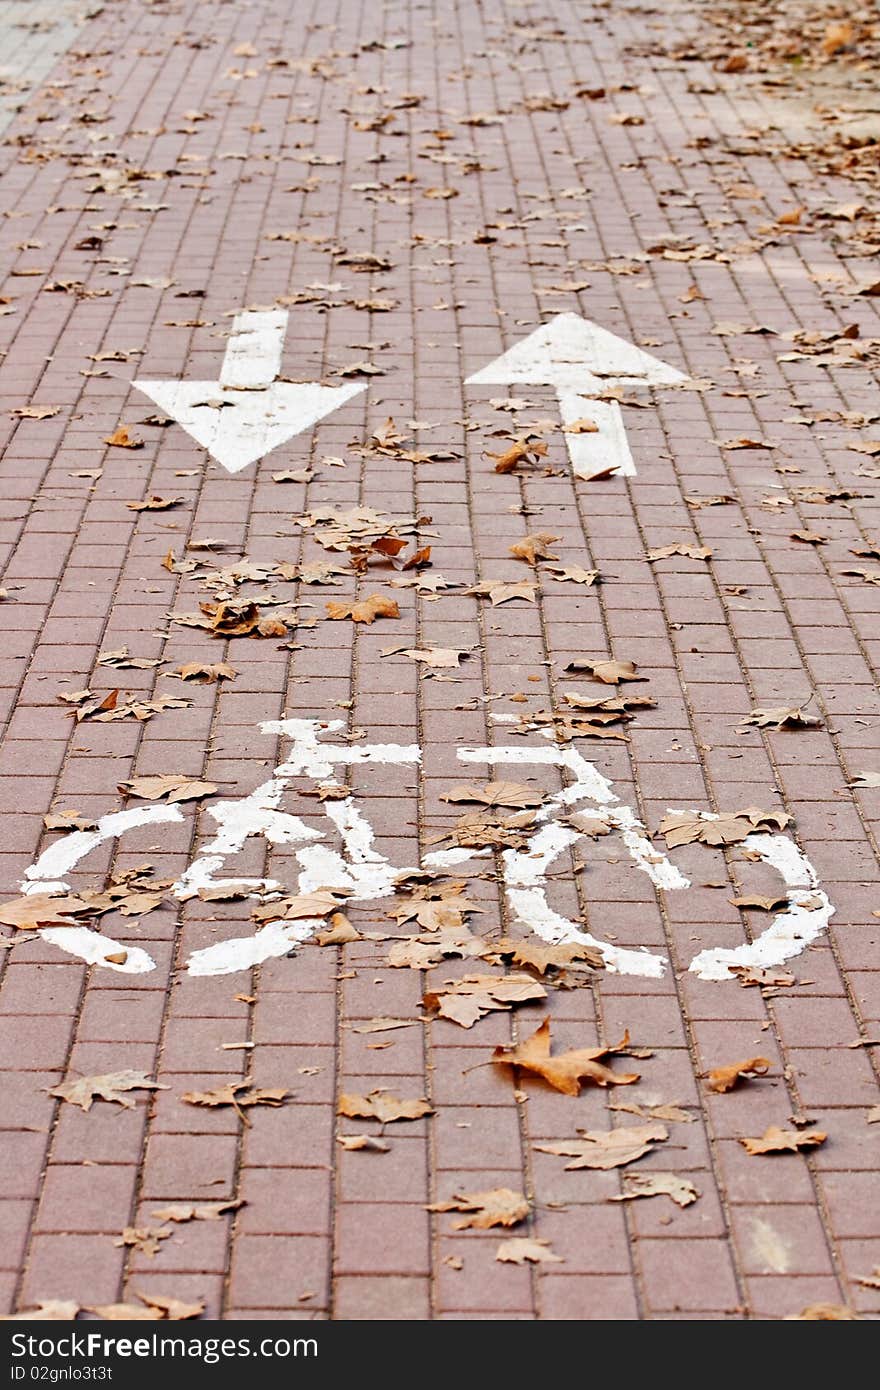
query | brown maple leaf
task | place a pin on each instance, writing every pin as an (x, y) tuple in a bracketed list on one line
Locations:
[(609, 672), (608, 1148), (110, 1086), (778, 1141), (382, 1106), (567, 1071), (724, 1078), (365, 611), (241, 1095), (499, 1206), (531, 549)]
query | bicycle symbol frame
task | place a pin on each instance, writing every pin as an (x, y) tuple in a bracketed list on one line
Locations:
[(367, 875)]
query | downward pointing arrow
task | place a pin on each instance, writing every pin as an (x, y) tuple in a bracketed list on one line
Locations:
[(247, 413), (581, 359)]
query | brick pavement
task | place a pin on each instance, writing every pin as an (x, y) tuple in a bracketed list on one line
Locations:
[(149, 174)]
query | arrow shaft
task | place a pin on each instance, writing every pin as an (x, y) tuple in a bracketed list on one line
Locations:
[(596, 451), (252, 359)]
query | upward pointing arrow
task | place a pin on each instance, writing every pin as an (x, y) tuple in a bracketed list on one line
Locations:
[(247, 412), (581, 359)]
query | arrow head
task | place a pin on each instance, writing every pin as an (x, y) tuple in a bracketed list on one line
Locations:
[(573, 353), (239, 427)]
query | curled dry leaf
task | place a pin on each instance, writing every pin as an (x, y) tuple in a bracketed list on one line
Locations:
[(499, 591), (205, 673), (687, 827), (154, 504), (756, 902), (760, 975), (521, 451), (121, 660), (240, 1095), (781, 717), (512, 794), (569, 1070), (544, 958), (68, 820), (724, 1078), (365, 611), (340, 932), (681, 1190), (690, 552), (189, 1211), (369, 1142), (824, 1312), (609, 672), (466, 1000), (428, 951), (110, 1086), (121, 439), (47, 1310), (575, 574), (381, 1105), (525, 1249), (36, 910), (608, 1148), (146, 1239), (779, 1141), (531, 549), (168, 787), (500, 1206)]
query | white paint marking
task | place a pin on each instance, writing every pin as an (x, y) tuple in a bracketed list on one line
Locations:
[(790, 931), (525, 871), (242, 952), (94, 949), (247, 413), (47, 875), (581, 359)]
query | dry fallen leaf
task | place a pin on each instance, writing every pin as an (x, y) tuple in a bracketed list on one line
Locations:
[(382, 1106), (47, 1310), (543, 958), (724, 1078), (499, 591), (240, 1095), (121, 439), (525, 1249), (531, 549), (608, 1148), (824, 1312), (690, 552), (365, 611), (681, 1190), (354, 1143), (110, 1086), (781, 717), (206, 674), (575, 574), (567, 1071), (512, 794), (466, 1000), (777, 1141), (609, 672), (145, 1239), (169, 786), (686, 827), (765, 978), (189, 1211), (500, 1206), (154, 504), (521, 451)]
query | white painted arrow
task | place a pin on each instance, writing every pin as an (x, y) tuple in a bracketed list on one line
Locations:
[(582, 360), (247, 413)]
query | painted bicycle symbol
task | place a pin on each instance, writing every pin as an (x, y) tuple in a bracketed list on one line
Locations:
[(356, 866)]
